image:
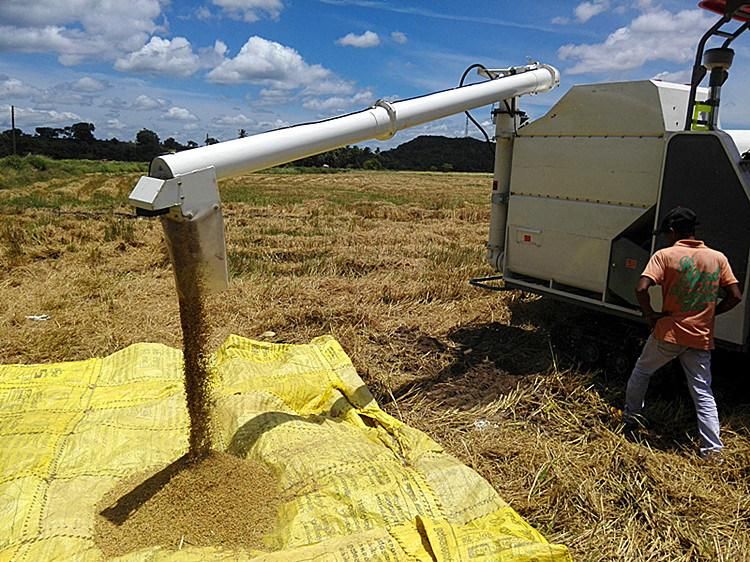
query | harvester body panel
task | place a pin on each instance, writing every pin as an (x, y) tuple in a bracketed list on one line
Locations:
[(592, 178)]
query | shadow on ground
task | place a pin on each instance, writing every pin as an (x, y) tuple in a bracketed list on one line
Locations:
[(119, 511), (484, 361), (480, 362)]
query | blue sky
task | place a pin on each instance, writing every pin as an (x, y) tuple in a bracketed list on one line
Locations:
[(190, 68)]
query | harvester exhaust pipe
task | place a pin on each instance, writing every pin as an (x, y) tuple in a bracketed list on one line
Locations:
[(717, 62), (183, 186), (703, 115)]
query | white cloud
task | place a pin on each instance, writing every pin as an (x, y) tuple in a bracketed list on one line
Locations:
[(331, 86), (587, 10), (272, 96), (366, 40), (733, 112), (679, 77), (339, 104), (40, 39), (115, 125), (560, 20), (249, 10), (655, 35), (162, 56), (12, 87), (91, 12), (77, 30), (213, 56), (61, 94), (268, 63), (399, 37), (115, 103), (89, 85), (272, 124), (203, 13), (146, 103), (239, 119), (27, 117), (179, 114)]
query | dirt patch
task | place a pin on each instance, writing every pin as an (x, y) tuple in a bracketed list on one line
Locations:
[(220, 500)]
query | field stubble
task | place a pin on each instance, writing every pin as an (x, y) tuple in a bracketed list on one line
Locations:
[(381, 261)]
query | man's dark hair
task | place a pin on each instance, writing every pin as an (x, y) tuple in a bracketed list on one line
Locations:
[(681, 220)]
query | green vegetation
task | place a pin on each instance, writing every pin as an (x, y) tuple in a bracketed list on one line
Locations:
[(440, 154), (19, 171), (425, 153), (294, 169), (120, 229), (38, 182)]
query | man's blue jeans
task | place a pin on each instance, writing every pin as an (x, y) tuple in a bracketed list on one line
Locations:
[(697, 366)]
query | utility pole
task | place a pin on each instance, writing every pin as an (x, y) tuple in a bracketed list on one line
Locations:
[(13, 127)]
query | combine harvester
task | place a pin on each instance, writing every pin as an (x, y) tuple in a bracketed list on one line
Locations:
[(576, 201), (576, 194)]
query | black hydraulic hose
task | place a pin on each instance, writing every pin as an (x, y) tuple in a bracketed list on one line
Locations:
[(469, 116)]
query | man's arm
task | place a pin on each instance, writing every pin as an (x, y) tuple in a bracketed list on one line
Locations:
[(644, 300), (730, 300)]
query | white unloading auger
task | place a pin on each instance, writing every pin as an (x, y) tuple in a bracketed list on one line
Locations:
[(183, 186)]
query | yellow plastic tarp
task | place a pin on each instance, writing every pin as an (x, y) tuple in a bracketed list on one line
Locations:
[(366, 487)]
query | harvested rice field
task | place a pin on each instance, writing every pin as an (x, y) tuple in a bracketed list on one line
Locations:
[(381, 261)]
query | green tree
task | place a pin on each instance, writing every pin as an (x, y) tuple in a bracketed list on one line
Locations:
[(83, 132), (24, 142), (48, 132), (173, 145), (147, 145)]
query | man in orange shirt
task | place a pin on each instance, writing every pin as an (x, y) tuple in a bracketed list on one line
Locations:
[(690, 275)]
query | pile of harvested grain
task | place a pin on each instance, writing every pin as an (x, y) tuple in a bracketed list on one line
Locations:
[(185, 250), (205, 498), (219, 500)]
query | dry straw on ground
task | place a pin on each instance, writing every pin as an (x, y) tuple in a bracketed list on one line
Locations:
[(381, 261)]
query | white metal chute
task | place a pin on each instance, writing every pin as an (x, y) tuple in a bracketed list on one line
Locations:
[(276, 147), (182, 187)]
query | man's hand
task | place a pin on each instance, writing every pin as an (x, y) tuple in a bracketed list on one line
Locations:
[(653, 317), (732, 299), (644, 300)]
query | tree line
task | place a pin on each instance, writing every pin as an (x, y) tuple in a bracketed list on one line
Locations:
[(77, 141)]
